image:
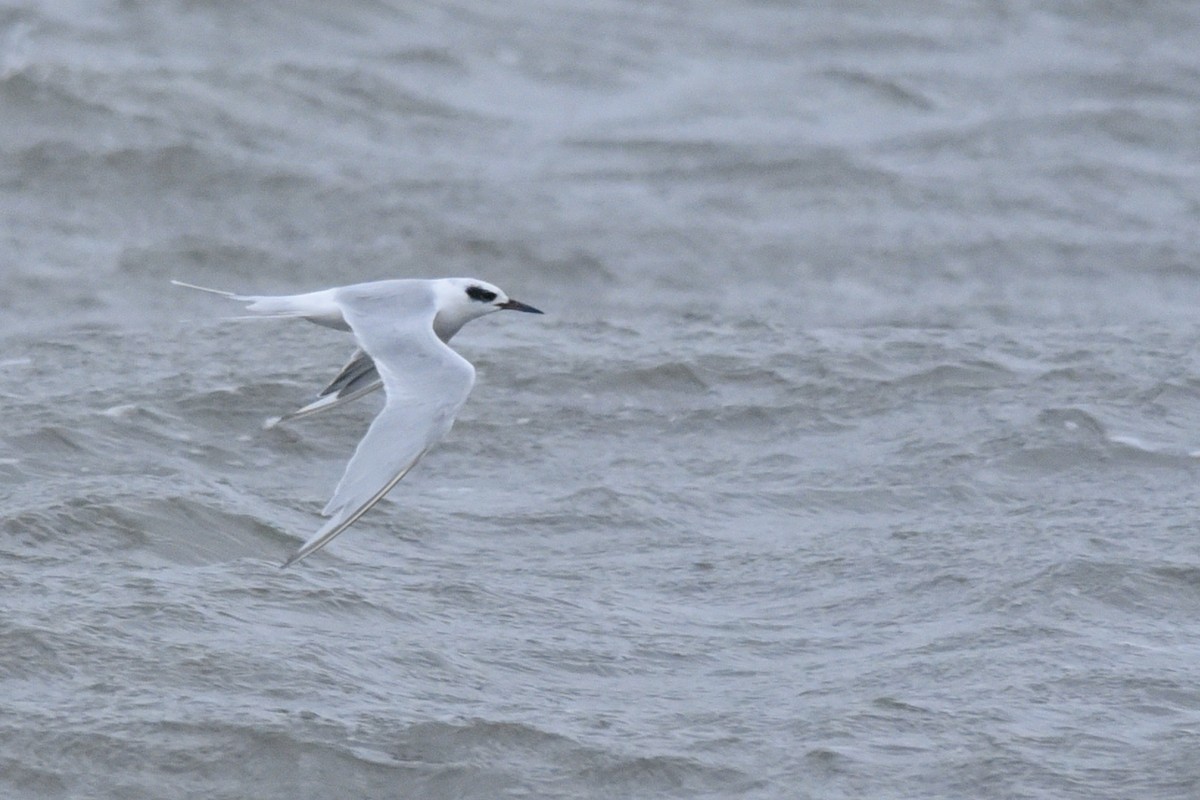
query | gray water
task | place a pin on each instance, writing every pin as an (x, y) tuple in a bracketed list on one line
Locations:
[(856, 456)]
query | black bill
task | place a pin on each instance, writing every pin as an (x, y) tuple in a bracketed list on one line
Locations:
[(513, 305)]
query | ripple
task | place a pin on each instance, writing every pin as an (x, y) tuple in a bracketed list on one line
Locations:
[(170, 529)]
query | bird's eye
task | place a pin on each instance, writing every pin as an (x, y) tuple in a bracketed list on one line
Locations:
[(480, 294)]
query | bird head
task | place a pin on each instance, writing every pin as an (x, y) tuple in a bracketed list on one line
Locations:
[(461, 300)]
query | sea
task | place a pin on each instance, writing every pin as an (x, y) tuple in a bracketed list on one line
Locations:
[(857, 454)]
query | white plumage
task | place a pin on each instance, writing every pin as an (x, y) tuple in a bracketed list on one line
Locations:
[(401, 327)]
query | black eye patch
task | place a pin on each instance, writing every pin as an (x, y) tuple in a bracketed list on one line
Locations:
[(480, 294)]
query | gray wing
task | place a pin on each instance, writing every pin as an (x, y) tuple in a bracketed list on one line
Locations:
[(358, 373), (359, 377), (426, 383)]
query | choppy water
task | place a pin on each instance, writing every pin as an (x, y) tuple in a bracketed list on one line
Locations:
[(857, 454)]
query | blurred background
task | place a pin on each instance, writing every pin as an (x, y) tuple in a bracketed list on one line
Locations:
[(856, 455), (938, 163)]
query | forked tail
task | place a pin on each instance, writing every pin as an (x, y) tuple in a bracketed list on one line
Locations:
[(319, 307)]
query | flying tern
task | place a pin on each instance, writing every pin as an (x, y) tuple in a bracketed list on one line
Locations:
[(401, 328)]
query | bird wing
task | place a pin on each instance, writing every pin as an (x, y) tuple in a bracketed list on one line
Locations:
[(426, 384), (359, 370), (359, 377)]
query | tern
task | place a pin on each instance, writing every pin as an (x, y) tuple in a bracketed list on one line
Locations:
[(401, 328)]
